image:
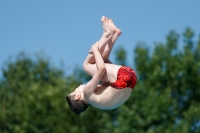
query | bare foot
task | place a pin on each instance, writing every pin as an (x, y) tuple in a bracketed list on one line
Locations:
[(110, 22), (108, 29)]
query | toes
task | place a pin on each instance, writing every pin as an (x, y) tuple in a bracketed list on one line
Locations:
[(103, 18)]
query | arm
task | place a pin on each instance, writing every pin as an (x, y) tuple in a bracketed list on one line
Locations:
[(89, 63), (98, 58), (90, 68), (92, 84)]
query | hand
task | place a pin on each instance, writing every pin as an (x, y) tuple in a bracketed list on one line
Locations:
[(94, 47)]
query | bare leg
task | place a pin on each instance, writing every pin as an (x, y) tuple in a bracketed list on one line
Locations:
[(108, 32), (104, 48), (108, 48)]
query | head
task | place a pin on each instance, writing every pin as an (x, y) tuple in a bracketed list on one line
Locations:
[(76, 100)]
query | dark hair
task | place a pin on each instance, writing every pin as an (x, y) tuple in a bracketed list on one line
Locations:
[(77, 106)]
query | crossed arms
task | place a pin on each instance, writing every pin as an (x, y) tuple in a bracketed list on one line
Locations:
[(89, 88)]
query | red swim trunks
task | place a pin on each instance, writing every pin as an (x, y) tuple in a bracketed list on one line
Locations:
[(126, 78)]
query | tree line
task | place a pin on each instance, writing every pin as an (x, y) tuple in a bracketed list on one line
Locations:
[(166, 98)]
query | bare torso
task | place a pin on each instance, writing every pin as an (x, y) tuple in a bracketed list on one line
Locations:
[(109, 97)]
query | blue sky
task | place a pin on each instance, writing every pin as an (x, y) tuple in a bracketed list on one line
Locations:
[(66, 29)]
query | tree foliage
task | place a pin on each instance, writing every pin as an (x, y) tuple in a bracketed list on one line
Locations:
[(166, 98), (168, 87)]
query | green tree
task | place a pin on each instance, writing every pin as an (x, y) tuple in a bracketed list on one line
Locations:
[(32, 93), (167, 96), (120, 56)]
